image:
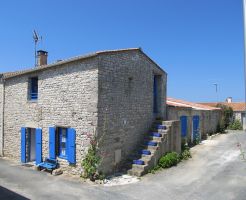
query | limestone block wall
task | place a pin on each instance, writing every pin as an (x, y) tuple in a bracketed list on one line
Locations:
[(68, 97), (1, 115), (125, 107), (209, 119)]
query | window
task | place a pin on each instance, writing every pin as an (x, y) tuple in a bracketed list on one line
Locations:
[(33, 88), (62, 142)]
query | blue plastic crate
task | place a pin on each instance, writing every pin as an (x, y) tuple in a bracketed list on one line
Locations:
[(138, 162), (155, 134), (151, 143), (145, 152), (159, 126)]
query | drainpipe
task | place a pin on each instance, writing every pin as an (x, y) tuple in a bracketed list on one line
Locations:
[(2, 114)]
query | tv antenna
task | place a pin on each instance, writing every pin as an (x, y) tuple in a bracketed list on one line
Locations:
[(216, 87), (36, 39)]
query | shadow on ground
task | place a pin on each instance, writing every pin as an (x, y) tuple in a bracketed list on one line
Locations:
[(10, 195)]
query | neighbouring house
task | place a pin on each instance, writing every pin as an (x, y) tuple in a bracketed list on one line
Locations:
[(239, 109), (197, 120), (53, 110)]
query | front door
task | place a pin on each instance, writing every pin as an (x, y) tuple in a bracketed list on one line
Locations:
[(195, 128), (31, 145)]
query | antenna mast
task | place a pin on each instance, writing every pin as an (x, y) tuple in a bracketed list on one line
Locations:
[(36, 39)]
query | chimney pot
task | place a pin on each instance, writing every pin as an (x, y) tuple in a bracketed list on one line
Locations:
[(42, 57), (229, 99)]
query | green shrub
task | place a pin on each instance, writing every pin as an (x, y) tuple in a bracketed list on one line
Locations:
[(226, 118), (169, 160), (90, 164), (236, 125), (185, 155)]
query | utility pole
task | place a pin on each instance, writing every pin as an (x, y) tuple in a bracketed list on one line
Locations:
[(244, 20)]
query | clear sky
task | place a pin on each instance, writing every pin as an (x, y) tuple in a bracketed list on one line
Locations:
[(197, 42)]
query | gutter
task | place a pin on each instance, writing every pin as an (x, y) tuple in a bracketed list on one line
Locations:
[(2, 114)]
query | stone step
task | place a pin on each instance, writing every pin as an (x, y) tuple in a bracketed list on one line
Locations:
[(156, 139), (159, 130), (167, 123), (159, 126), (150, 147), (138, 162), (155, 134), (136, 172), (151, 143)]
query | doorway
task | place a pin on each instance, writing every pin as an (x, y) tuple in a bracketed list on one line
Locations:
[(32, 145)]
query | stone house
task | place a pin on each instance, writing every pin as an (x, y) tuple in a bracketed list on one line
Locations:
[(196, 120), (53, 110), (239, 109)]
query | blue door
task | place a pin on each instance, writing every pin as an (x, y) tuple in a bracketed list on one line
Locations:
[(38, 145), (183, 121), (155, 95), (195, 126)]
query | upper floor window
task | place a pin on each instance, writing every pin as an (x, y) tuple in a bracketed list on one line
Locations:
[(33, 88)]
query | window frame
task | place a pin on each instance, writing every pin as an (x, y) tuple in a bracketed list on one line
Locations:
[(59, 143), (32, 91)]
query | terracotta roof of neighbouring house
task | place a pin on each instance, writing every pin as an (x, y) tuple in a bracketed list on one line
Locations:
[(40, 68), (236, 106), (187, 104)]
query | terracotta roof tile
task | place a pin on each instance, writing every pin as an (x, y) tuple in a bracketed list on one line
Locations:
[(236, 106), (182, 103)]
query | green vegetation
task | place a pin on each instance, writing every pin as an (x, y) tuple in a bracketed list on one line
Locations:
[(235, 125), (90, 164), (171, 159), (226, 118)]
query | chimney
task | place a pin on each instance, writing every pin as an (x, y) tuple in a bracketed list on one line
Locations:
[(42, 58), (229, 100)]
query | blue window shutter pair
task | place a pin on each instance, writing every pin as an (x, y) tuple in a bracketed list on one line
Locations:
[(71, 149), (38, 145)]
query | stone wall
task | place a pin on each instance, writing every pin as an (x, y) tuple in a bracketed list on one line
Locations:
[(209, 120), (1, 115), (125, 106), (68, 96)]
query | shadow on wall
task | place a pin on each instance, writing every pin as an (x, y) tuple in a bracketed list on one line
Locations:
[(10, 195)]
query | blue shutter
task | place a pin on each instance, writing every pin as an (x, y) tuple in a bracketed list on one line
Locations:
[(183, 120), (38, 145), (52, 142), (23, 144), (71, 136)]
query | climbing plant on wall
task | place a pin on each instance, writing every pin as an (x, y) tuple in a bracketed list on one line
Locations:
[(226, 118)]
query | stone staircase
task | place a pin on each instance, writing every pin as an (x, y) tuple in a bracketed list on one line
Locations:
[(156, 143)]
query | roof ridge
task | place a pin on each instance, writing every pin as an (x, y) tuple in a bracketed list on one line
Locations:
[(75, 58)]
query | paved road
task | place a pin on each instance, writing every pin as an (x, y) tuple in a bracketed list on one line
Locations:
[(215, 171)]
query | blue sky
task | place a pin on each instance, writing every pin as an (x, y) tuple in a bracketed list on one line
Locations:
[(197, 42)]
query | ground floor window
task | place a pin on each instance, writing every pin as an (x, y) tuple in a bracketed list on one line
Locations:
[(62, 143)]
